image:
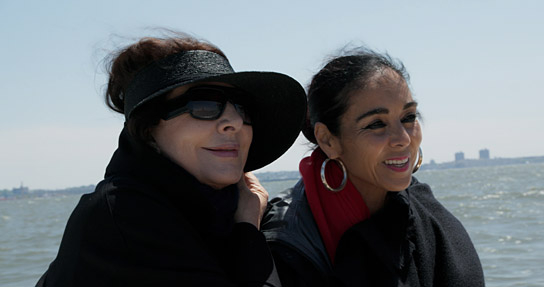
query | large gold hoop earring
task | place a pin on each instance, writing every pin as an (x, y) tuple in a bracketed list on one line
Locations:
[(419, 161), (324, 180)]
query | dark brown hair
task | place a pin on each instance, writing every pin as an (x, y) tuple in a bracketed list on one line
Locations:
[(125, 63)]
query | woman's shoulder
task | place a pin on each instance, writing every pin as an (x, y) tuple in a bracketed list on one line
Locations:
[(115, 194), (281, 210), (119, 204), (439, 231), (419, 189), (127, 213), (429, 210), (421, 194), (286, 199), (289, 227)]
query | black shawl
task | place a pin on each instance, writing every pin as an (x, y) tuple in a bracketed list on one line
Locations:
[(412, 241)]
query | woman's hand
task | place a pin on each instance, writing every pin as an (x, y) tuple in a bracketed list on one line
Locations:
[(252, 201)]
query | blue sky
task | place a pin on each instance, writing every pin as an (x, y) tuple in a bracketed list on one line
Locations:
[(475, 66)]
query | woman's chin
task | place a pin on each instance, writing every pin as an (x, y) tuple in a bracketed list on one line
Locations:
[(222, 180)]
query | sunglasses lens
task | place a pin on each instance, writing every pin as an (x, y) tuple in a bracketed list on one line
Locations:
[(206, 110)]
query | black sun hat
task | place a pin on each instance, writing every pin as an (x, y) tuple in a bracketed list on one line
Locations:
[(278, 102)]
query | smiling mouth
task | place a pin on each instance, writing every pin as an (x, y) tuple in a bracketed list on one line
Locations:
[(397, 162)]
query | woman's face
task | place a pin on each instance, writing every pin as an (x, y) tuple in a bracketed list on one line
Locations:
[(213, 151), (380, 134)]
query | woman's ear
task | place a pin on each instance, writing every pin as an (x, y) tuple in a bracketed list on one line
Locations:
[(329, 143)]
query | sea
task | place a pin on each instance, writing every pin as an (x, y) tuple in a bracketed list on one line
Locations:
[(502, 208)]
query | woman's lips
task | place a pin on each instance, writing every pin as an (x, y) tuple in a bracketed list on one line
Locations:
[(224, 151), (399, 164)]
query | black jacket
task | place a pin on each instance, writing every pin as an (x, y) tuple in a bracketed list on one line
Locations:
[(412, 241), (150, 223)]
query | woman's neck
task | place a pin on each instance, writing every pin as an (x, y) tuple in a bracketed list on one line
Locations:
[(373, 196)]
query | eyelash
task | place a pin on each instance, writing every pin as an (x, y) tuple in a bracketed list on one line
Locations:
[(375, 125), (410, 118)]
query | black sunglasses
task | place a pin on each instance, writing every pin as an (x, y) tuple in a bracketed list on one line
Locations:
[(207, 103)]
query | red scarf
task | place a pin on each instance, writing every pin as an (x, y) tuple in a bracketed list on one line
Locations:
[(334, 212)]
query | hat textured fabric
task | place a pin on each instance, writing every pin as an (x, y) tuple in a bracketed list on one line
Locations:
[(278, 102)]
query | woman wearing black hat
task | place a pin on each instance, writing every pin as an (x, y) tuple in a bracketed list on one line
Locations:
[(358, 217), (178, 206)]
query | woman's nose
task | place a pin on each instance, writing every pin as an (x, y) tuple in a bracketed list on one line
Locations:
[(399, 136), (230, 120)]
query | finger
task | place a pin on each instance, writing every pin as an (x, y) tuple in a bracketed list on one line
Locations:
[(251, 179)]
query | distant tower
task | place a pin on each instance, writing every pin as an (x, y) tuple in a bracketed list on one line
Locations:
[(484, 153), (20, 190), (459, 156)]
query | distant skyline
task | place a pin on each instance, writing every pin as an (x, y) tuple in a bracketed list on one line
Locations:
[(475, 70)]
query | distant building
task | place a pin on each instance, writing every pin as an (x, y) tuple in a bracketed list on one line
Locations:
[(484, 154), (459, 156), (20, 190)]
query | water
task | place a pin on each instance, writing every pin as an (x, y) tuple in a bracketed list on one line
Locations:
[(502, 208)]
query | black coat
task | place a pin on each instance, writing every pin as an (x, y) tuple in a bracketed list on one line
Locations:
[(412, 241), (150, 223)]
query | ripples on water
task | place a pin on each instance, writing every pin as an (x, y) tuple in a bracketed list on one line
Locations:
[(502, 208), (30, 233)]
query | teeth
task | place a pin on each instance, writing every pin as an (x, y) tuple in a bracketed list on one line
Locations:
[(396, 162)]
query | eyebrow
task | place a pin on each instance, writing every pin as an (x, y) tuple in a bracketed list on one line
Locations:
[(378, 111)]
